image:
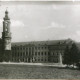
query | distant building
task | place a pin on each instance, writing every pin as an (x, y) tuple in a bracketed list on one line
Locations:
[(35, 52)]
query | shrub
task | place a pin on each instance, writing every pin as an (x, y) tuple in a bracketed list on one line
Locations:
[(78, 65)]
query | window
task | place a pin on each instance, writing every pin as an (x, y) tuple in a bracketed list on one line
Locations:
[(29, 49), (21, 54), (26, 53), (48, 59), (56, 60), (48, 53), (38, 59), (23, 60), (38, 53), (15, 54), (18, 54), (23, 48), (35, 53), (26, 48), (38, 47), (45, 53), (35, 47), (42, 53)]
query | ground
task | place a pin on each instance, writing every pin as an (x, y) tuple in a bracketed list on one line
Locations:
[(14, 71)]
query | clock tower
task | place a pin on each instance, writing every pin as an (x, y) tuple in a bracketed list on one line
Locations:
[(6, 38)]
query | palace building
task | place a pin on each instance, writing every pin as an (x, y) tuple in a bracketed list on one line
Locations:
[(51, 51), (39, 51)]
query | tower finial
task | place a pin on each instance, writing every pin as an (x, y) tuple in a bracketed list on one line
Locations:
[(6, 12)]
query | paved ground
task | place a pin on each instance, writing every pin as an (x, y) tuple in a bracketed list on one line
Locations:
[(40, 64), (14, 71)]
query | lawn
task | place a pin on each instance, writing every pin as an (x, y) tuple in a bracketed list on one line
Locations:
[(12, 71)]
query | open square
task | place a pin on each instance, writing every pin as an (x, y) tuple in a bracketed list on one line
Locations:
[(14, 71)]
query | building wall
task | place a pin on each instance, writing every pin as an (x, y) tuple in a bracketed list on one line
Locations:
[(1, 53), (30, 53), (37, 53), (55, 51)]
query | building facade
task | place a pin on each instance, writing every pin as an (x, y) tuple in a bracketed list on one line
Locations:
[(30, 52), (40, 51)]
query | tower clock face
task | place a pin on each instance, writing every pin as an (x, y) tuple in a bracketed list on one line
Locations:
[(7, 45), (6, 23), (7, 41), (6, 28)]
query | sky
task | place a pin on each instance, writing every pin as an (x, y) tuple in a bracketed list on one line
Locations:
[(38, 21)]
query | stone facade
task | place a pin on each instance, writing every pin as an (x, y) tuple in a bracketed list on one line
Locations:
[(39, 51)]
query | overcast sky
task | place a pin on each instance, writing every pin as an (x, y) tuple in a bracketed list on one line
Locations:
[(35, 21)]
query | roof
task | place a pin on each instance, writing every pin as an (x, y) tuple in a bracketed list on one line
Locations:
[(49, 42)]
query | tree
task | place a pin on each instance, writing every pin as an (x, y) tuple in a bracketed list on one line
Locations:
[(74, 54), (67, 56)]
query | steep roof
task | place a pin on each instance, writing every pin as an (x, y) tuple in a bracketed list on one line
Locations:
[(49, 42)]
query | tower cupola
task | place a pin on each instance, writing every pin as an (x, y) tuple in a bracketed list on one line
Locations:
[(6, 16)]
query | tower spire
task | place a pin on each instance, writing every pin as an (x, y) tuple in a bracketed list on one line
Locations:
[(6, 15)]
